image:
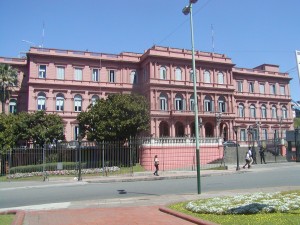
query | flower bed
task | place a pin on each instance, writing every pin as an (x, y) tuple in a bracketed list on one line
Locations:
[(63, 172), (247, 204)]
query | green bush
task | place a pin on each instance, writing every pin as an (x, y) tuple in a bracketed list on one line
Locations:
[(48, 167)]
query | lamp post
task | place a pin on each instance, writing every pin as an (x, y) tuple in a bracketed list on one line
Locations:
[(79, 139), (188, 10), (218, 119), (235, 128)]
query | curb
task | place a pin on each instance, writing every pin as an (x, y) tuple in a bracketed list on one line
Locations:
[(19, 216), (186, 217)]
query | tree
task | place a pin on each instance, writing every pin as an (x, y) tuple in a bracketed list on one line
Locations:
[(8, 78), (117, 117), (296, 122), (44, 128)]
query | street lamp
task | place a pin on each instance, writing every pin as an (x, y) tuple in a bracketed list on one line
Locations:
[(79, 139), (236, 128), (188, 10), (218, 119)]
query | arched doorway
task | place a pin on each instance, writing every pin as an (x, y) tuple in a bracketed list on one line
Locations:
[(164, 130), (209, 130), (179, 129)]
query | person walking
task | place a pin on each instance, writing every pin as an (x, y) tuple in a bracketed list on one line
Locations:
[(250, 156), (248, 160), (253, 151), (262, 155), (156, 164)]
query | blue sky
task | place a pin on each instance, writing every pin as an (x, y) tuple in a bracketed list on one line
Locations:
[(251, 32)]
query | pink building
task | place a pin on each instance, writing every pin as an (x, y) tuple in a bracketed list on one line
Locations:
[(66, 82)]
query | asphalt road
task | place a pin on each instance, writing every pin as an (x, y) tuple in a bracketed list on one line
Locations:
[(16, 194)]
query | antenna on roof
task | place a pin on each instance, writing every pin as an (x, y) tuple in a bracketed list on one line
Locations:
[(43, 34), (212, 38)]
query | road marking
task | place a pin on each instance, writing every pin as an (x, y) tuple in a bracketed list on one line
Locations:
[(62, 205)]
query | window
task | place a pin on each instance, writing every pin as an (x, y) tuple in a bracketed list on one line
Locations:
[(261, 88), (60, 73), (163, 73), (77, 103), (111, 76), (95, 75), (243, 135), (60, 102), (145, 74), (284, 113), (240, 86), (163, 102), (274, 112), (272, 89), (94, 99), (13, 106), (179, 103), (241, 110), (206, 77), (252, 111), (208, 104), (264, 134), (191, 76), (220, 78), (78, 73), (251, 87), (76, 132), (41, 101), (263, 112), (178, 74), (221, 104), (133, 77), (42, 71), (282, 90), (192, 103)]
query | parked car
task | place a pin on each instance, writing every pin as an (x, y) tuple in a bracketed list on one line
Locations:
[(230, 144)]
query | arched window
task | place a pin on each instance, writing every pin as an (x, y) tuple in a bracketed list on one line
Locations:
[(220, 78), (163, 100), (60, 102), (163, 73), (179, 102), (274, 112), (263, 112), (13, 106), (206, 76), (221, 104), (178, 74), (284, 112), (191, 76), (208, 104), (192, 103), (94, 99), (133, 77), (252, 111), (41, 101), (241, 110), (77, 103)]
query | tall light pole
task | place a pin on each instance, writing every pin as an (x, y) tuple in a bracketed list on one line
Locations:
[(188, 10), (235, 128)]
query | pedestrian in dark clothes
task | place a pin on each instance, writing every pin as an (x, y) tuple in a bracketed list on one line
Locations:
[(262, 155)]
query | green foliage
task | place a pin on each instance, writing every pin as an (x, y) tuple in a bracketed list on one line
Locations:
[(37, 127), (8, 79), (297, 122), (118, 116), (48, 167)]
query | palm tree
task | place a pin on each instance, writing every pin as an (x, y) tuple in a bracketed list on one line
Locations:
[(8, 78)]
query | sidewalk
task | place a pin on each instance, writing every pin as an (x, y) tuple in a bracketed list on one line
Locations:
[(134, 210)]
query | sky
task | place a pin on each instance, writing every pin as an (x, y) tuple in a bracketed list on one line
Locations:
[(250, 32)]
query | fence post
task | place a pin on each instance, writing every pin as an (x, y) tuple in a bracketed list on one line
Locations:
[(102, 157)]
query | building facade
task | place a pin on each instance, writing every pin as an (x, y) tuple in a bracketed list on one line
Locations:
[(66, 82)]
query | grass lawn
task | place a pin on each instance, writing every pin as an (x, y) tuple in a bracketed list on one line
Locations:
[(6, 219), (292, 217)]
